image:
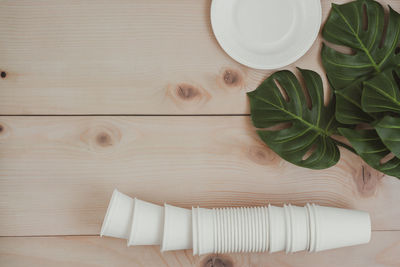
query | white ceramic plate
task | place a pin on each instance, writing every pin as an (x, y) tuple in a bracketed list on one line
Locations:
[(266, 34)]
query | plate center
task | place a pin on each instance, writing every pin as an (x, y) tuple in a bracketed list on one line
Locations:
[(263, 21)]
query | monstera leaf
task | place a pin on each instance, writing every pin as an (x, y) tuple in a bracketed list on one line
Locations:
[(310, 128), (388, 130), (348, 108), (358, 25), (382, 93), (366, 85), (372, 150)]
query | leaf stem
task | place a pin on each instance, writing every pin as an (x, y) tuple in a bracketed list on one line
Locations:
[(345, 146)]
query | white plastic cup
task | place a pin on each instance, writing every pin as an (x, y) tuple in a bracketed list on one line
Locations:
[(217, 237), (117, 222), (265, 228), (229, 229), (233, 226), (243, 235), (299, 228), (288, 229), (238, 230), (256, 230), (337, 228), (177, 228), (263, 225), (241, 229), (248, 230), (195, 231), (147, 224), (206, 231), (225, 233), (312, 227), (238, 226), (277, 229), (231, 234)]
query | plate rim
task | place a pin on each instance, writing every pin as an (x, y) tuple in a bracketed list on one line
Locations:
[(253, 65)]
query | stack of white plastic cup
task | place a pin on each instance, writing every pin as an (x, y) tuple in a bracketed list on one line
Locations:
[(145, 223), (288, 228), (299, 228), (226, 230), (230, 230), (203, 231), (140, 222)]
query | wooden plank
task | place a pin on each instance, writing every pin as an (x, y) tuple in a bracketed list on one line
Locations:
[(384, 250), (58, 173), (122, 57)]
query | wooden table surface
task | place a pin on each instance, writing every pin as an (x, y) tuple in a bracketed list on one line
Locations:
[(139, 96)]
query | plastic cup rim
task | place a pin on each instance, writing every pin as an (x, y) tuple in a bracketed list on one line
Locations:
[(164, 239), (109, 212), (288, 222), (312, 227), (270, 245), (266, 228), (316, 228), (292, 227), (195, 249), (308, 228), (132, 234)]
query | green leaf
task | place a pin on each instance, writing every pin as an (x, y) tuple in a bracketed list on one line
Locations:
[(372, 150), (348, 106), (388, 130), (310, 129), (382, 93), (365, 87), (359, 25)]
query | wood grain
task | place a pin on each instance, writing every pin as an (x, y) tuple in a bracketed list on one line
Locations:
[(122, 57), (148, 57), (384, 250), (57, 173)]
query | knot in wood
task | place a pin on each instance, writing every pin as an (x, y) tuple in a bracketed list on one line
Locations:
[(262, 155), (367, 180), (215, 261), (231, 77), (104, 139), (187, 92)]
